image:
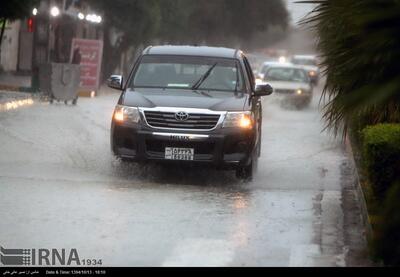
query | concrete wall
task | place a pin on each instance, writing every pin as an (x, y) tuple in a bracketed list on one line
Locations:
[(10, 46)]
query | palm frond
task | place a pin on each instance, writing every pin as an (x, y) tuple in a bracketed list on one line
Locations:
[(359, 42)]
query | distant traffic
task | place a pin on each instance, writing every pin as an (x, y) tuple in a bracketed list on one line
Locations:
[(292, 77)]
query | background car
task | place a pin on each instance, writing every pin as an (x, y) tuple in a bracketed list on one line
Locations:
[(290, 82), (265, 66), (309, 63)]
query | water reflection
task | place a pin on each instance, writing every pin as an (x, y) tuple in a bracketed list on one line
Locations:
[(240, 233), (15, 104)]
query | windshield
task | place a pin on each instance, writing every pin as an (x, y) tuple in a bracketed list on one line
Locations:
[(304, 61), (182, 72), (265, 68), (286, 74)]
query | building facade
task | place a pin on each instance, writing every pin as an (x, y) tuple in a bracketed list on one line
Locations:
[(46, 36)]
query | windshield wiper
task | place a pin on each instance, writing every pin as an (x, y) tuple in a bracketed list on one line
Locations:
[(204, 77), (203, 93)]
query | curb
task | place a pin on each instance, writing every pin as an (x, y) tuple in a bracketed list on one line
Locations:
[(360, 193), (8, 88), (16, 88)]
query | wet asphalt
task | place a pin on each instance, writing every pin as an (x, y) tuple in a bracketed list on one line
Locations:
[(60, 187)]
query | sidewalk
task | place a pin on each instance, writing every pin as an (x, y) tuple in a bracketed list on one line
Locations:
[(14, 82), (15, 91)]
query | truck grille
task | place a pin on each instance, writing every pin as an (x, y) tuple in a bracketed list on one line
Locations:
[(194, 122)]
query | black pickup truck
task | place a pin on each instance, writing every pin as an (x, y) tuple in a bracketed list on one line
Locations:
[(190, 104)]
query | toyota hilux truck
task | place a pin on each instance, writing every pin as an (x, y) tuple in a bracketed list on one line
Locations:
[(190, 104)]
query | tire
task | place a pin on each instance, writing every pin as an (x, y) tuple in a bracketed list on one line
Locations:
[(66, 102), (51, 98), (75, 101), (246, 173), (125, 160)]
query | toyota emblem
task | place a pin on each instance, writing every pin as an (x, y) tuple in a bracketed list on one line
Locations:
[(181, 116)]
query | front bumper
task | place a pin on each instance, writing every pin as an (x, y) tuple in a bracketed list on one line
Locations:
[(227, 148), (295, 98)]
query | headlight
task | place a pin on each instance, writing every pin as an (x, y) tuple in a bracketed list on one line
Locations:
[(301, 91), (312, 73), (238, 119), (126, 114)]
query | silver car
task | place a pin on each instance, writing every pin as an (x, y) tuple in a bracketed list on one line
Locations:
[(291, 83), (309, 63)]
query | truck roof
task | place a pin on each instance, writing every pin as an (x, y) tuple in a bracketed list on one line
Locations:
[(204, 51), (309, 57)]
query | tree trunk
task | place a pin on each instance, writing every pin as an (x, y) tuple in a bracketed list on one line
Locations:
[(3, 27), (111, 55)]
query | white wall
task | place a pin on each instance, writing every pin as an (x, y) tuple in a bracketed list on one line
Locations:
[(9, 47)]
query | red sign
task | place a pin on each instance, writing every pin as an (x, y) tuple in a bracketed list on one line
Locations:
[(90, 54)]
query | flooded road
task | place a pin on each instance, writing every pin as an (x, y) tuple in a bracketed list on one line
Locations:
[(60, 187)]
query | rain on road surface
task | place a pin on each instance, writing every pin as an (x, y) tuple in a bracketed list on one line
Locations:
[(61, 188)]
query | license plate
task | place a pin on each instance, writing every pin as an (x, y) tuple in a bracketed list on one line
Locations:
[(179, 154)]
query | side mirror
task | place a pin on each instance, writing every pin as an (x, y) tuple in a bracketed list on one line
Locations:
[(263, 90), (115, 82)]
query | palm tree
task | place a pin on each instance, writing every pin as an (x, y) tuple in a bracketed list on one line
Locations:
[(359, 42)]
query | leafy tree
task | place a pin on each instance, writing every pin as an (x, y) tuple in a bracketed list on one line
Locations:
[(126, 24), (359, 42), (12, 10), (214, 22)]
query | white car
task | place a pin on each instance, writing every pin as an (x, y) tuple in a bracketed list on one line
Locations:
[(309, 63), (263, 69), (290, 82)]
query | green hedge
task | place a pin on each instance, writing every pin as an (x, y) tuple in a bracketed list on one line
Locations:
[(381, 153), (386, 244)]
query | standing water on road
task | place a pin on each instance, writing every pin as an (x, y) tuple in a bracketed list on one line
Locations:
[(59, 179)]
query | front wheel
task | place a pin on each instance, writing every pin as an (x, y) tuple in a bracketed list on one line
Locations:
[(247, 172)]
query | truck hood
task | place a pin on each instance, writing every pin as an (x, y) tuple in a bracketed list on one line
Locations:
[(212, 100)]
